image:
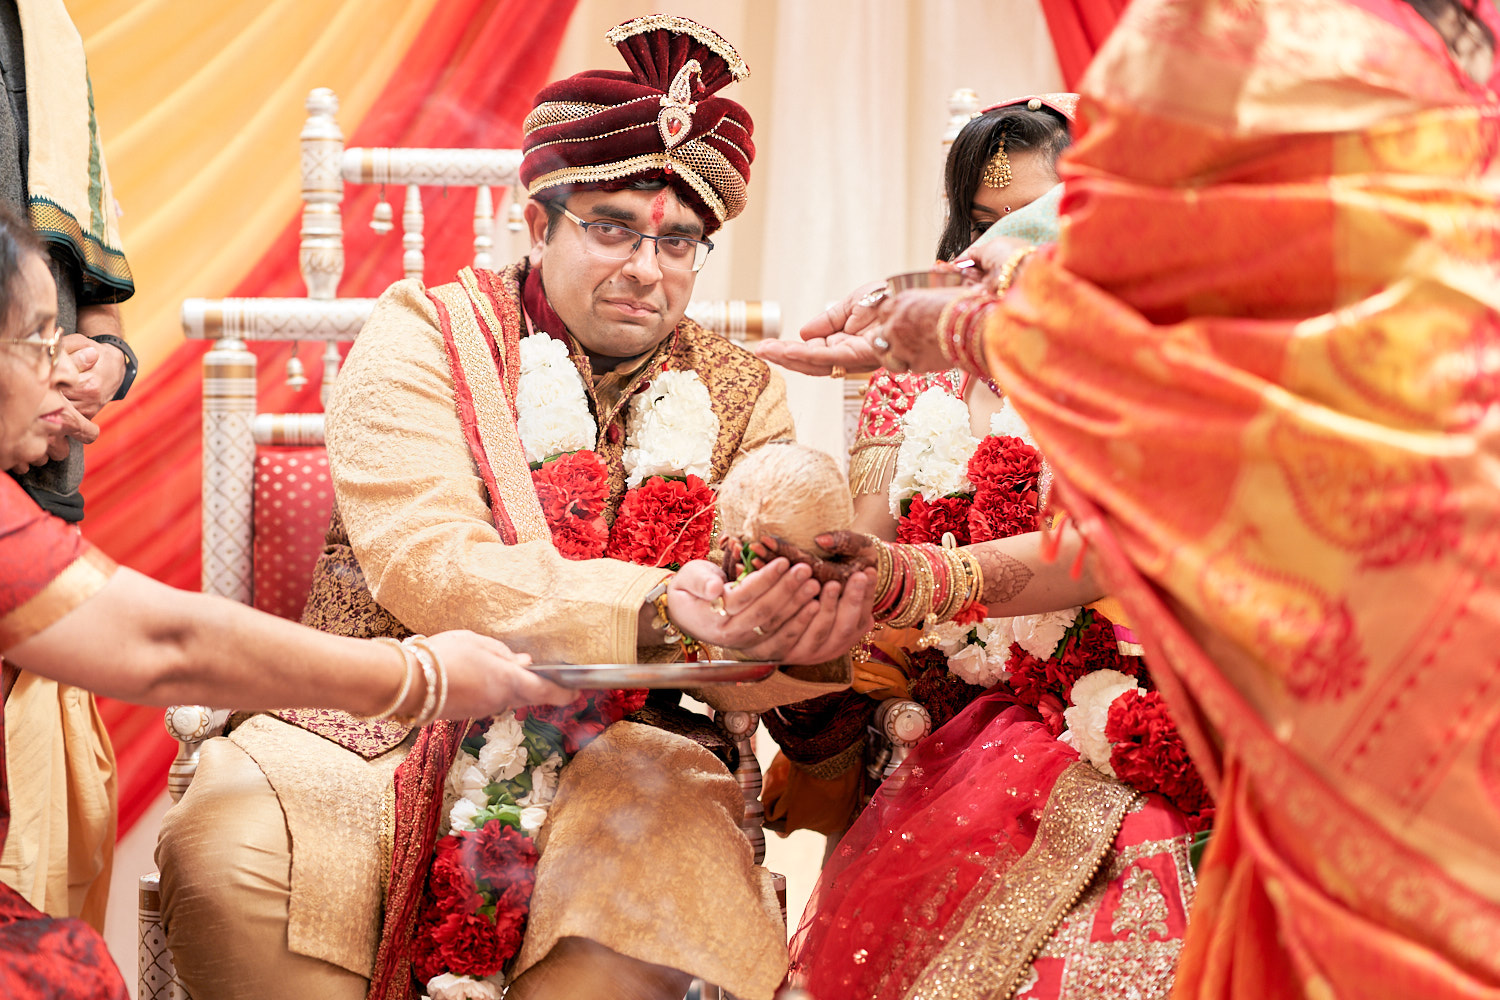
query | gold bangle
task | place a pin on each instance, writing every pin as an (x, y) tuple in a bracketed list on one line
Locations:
[(920, 604), (1009, 268), (441, 670), (673, 632), (406, 678), (884, 568), (429, 677)]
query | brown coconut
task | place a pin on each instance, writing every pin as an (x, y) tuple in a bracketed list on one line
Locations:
[(796, 493), (788, 490)]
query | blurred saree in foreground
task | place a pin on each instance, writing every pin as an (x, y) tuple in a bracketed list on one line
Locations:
[(1272, 410)]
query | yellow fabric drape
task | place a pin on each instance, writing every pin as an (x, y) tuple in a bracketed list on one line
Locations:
[(199, 106)]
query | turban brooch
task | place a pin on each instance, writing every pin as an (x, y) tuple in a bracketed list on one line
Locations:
[(661, 120)]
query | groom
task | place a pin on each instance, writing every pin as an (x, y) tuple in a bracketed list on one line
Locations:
[(289, 868)]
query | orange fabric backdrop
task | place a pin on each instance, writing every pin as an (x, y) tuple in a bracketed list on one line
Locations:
[(466, 79)]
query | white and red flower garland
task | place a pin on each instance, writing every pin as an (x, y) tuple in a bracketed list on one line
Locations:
[(501, 785), (1065, 664)]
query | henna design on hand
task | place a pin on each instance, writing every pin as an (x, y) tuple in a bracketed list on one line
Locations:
[(1005, 577)]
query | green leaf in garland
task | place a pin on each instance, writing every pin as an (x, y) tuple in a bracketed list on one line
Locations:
[(507, 813), (1197, 847), (542, 740)]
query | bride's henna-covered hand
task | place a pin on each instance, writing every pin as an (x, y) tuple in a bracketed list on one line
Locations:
[(847, 553)]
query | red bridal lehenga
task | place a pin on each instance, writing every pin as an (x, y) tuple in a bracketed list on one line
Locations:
[(996, 861)]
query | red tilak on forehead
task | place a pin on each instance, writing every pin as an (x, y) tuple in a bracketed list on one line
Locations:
[(658, 208)]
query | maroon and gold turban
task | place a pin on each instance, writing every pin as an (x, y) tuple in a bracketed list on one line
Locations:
[(604, 128)]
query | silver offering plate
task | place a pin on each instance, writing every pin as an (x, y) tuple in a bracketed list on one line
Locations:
[(703, 673)]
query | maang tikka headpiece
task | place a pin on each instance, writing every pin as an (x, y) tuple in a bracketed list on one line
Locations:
[(997, 171)]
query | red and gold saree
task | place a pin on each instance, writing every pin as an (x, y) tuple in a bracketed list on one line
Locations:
[(47, 571), (1264, 361)]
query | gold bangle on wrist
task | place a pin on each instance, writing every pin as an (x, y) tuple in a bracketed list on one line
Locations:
[(440, 669), (663, 621), (408, 672), (429, 677), (1010, 267)]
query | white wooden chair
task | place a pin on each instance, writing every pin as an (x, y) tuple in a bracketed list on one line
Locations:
[(246, 451)]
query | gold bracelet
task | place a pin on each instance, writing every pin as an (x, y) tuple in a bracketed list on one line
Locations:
[(441, 669), (920, 604), (674, 633), (406, 678), (429, 676), (1010, 267), (958, 587), (884, 568)]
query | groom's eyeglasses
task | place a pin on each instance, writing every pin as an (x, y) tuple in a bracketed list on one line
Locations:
[(612, 240)]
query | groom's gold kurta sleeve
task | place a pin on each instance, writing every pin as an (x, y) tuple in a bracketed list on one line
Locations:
[(416, 513)]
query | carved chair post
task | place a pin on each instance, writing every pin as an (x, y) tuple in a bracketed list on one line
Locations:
[(322, 252), (228, 469)]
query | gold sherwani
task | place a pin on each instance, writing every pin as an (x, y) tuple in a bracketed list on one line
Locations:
[(642, 852)]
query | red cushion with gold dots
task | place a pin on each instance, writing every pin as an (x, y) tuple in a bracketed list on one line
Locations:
[(293, 501)]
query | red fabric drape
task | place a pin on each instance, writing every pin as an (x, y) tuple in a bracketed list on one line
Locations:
[(1078, 28), (468, 81)]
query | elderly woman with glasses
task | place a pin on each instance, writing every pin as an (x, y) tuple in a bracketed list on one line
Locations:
[(68, 613)]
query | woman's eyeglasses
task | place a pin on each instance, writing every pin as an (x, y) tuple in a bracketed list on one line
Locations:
[(48, 348)]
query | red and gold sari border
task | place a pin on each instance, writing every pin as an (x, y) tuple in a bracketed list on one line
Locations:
[(992, 951), (83, 578)]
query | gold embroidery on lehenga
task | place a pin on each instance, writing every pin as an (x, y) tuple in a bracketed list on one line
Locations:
[(1142, 910), (991, 952)]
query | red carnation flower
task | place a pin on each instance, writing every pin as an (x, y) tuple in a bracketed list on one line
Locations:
[(468, 945), (1001, 514), (572, 489), (928, 520), (500, 855), (1004, 464), (426, 959), (1089, 646), (612, 706), (451, 880), (663, 522), (1149, 755)]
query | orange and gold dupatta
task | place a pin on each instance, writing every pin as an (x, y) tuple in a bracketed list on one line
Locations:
[(1264, 360)]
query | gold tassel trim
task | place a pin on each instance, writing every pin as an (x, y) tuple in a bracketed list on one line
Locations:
[(872, 464)]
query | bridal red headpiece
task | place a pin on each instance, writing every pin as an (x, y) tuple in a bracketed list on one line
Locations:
[(602, 128)]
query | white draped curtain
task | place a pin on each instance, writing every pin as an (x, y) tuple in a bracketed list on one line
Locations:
[(850, 100)]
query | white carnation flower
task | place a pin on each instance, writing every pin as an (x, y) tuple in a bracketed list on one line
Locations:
[(532, 818), (670, 429), (461, 816), (503, 755), (976, 665), (997, 634), (951, 636), (1040, 634), (935, 449), (1008, 423), (451, 987), (469, 781), (552, 406), (543, 782), (1091, 696)]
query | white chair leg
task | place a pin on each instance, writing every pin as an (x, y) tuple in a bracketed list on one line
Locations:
[(158, 976)]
